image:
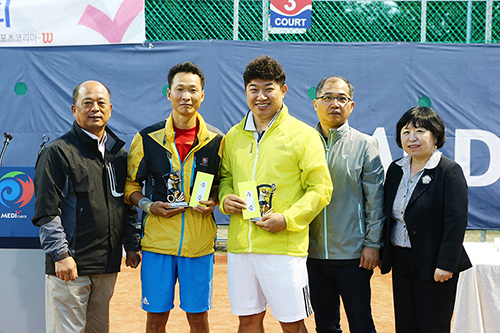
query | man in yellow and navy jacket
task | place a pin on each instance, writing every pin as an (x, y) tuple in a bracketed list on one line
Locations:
[(177, 242)]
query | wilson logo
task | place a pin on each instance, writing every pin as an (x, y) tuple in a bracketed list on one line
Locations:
[(48, 37)]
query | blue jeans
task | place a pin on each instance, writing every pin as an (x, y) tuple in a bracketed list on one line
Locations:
[(328, 283)]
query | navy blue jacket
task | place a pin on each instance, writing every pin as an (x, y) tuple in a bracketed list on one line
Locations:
[(436, 219)]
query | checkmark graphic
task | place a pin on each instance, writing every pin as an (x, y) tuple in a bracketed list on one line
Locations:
[(112, 30)]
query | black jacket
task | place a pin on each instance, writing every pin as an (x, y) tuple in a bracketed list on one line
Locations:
[(436, 219), (79, 203)]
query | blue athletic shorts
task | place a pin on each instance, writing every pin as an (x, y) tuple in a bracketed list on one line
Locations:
[(160, 272)]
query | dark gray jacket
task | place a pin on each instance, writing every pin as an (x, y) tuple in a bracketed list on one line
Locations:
[(79, 203)]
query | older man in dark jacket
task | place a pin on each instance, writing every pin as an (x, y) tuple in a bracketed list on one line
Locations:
[(83, 219)]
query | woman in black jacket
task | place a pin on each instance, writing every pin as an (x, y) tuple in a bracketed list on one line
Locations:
[(426, 207)]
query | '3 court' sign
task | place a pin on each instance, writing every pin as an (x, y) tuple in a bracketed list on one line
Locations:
[(291, 13)]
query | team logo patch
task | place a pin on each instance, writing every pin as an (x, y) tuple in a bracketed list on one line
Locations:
[(204, 161)]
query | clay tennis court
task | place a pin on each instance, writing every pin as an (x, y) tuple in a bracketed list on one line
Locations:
[(127, 316)]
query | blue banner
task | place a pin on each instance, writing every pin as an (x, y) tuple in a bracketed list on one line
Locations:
[(459, 81)]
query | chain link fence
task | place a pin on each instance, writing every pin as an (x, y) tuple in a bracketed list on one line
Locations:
[(433, 21), (470, 236), (481, 235)]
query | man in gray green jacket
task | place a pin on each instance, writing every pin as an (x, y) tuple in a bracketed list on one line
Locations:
[(345, 238)]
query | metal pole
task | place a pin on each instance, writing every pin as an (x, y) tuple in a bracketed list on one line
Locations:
[(469, 20), (487, 28), (235, 19), (423, 20), (265, 20)]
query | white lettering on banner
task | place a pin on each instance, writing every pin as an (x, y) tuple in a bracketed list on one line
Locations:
[(383, 146), (13, 216), (290, 5), (293, 22), (463, 138)]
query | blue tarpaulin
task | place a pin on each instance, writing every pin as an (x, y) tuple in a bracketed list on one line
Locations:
[(460, 82)]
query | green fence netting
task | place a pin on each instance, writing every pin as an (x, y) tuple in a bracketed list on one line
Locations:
[(331, 21)]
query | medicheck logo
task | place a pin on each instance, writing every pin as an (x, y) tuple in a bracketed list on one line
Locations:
[(16, 191), (291, 13)]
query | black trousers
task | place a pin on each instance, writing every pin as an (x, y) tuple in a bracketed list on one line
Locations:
[(419, 305), (327, 283)]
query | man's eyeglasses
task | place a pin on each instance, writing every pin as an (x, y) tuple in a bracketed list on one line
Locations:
[(342, 100)]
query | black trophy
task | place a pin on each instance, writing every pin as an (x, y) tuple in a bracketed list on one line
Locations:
[(174, 194), (266, 194)]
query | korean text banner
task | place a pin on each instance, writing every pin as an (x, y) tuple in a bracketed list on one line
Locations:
[(71, 22)]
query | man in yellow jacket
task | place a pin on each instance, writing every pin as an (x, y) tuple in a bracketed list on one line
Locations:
[(178, 241), (267, 256)]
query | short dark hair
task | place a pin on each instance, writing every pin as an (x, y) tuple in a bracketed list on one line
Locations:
[(76, 91), (264, 68), (422, 116), (185, 67), (334, 78)]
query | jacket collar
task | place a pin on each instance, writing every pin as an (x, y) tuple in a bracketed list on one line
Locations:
[(202, 134), (247, 123), (334, 134), (113, 143), (431, 163)]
